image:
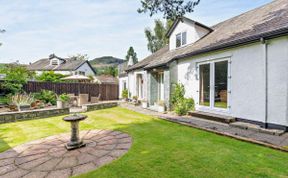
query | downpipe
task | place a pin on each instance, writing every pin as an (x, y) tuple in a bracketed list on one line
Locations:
[(265, 50)]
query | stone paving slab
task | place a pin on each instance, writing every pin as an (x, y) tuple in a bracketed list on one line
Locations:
[(48, 157), (279, 142)]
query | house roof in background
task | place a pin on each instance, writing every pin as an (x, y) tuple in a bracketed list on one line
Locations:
[(267, 21), (106, 79), (67, 65)]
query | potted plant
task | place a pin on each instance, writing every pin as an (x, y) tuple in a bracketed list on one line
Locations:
[(144, 104), (161, 106), (135, 100), (22, 101), (125, 94), (62, 101)]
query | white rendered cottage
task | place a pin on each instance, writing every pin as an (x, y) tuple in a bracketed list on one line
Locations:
[(236, 68)]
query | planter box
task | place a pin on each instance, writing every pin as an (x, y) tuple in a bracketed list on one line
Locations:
[(144, 105), (60, 104), (161, 108), (24, 108)]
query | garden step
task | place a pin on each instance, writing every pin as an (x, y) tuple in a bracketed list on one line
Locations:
[(213, 117), (249, 126)]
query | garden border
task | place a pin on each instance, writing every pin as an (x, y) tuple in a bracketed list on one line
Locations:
[(8, 117)]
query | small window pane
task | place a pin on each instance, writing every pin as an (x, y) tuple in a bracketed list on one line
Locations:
[(221, 84), (204, 85), (184, 41), (178, 40)]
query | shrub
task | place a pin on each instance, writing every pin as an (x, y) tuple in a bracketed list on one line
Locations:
[(178, 93), (21, 100), (50, 76), (125, 94), (63, 97), (135, 98), (161, 103), (182, 107), (16, 77), (46, 96), (180, 104)]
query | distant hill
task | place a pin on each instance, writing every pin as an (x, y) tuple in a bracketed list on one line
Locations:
[(99, 64), (106, 61)]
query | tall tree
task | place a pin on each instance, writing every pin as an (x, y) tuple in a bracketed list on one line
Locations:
[(171, 9), (133, 54), (83, 57), (157, 38)]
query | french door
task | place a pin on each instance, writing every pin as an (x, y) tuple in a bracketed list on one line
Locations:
[(213, 84)]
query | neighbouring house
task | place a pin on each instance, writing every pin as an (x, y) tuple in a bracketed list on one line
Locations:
[(105, 79), (235, 68), (65, 66)]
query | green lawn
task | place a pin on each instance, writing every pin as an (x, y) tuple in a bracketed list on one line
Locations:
[(160, 148), (3, 100)]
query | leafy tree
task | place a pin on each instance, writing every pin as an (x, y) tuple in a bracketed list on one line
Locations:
[(16, 77), (50, 76), (171, 9), (83, 57), (157, 38), (113, 71), (133, 54)]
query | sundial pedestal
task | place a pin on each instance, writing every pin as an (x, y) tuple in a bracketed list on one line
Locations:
[(75, 142)]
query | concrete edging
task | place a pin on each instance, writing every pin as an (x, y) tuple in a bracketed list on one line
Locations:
[(229, 135)]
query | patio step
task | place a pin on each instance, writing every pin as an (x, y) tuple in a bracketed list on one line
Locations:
[(254, 127), (213, 117)]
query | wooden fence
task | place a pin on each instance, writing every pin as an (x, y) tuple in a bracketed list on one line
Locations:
[(107, 91)]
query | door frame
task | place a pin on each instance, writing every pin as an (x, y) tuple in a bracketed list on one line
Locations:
[(212, 107)]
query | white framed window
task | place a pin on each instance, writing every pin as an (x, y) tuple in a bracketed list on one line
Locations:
[(54, 62), (181, 39)]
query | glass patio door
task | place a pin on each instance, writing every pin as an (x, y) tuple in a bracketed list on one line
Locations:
[(213, 84)]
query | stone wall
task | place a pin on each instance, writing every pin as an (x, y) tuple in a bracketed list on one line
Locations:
[(30, 115), (97, 106)]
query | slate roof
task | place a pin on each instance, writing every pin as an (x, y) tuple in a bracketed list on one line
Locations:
[(68, 65), (268, 21)]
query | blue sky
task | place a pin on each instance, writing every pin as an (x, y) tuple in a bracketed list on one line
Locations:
[(36, 28)]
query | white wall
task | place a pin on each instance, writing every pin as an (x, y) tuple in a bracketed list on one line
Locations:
[(86, 68), (194, 33), (121, 87), (247, 83), (277, 81), (132, 83)]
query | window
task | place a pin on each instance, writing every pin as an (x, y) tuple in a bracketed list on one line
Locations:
[(181, 39), (81, 73), (54, 62), (178, 40), (184, 38)]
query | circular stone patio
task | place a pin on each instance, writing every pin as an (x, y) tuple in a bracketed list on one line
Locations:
[(48, 157)]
